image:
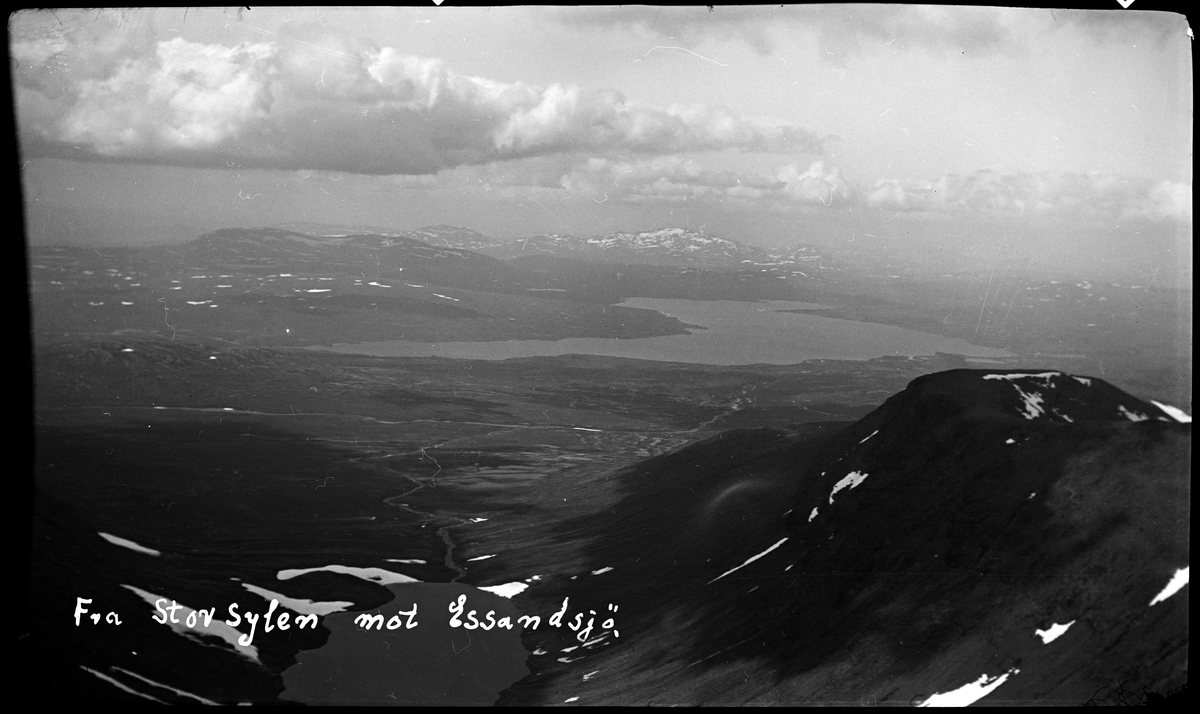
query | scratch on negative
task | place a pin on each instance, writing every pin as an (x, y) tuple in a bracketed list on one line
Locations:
[(164, 302), (664, 47), (435, 463), (464, 649)]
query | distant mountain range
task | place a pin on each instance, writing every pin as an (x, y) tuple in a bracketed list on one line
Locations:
[(666, 246), (367, 254)]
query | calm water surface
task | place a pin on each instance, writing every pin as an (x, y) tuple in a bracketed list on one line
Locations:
[(735, 333)]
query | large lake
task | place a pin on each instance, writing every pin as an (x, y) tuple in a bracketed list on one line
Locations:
[(737, 333)]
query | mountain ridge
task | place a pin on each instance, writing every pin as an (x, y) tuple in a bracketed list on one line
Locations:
[(925, 543), (675, 246)]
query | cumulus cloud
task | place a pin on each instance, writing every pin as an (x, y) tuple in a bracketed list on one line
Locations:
[(1052, 193), (816, 185), (670, 179), (324, 102), (820, 186)]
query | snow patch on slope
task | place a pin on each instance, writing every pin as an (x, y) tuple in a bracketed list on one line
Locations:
[(1175, 413), (968, 693), (1177, 582), (125, 543), (851, 480), (1053, 632)]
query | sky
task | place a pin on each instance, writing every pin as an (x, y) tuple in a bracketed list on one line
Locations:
[(764, 124)]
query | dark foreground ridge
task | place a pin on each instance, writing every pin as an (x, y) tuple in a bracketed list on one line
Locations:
[(1001, 536), (1011, 531)]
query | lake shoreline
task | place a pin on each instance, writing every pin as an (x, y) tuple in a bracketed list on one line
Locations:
[(784, 332)]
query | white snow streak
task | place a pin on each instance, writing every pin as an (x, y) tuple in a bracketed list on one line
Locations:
[(507, 589), (129, 544), (302, 606), (851, 479), (118, 685), (748, 561), (1132, 416), (1177, 582), (216, 628), (1053, 632), (160, 685), (1033, 403), (1175, 413), (374, 575), (968, 693), (1041, 375)]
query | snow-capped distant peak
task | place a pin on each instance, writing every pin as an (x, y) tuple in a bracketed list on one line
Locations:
[(1047, 376)]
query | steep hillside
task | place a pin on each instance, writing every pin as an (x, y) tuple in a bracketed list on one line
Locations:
[(1019, 526)]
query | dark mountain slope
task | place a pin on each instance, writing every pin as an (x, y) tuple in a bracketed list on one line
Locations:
[(902, 556)]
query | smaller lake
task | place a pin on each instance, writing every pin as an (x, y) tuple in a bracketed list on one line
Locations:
[(735, 333)]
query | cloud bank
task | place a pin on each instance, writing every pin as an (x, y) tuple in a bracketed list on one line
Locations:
[(1094, 195), (840, 28), (325, 103), (674, 179)]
